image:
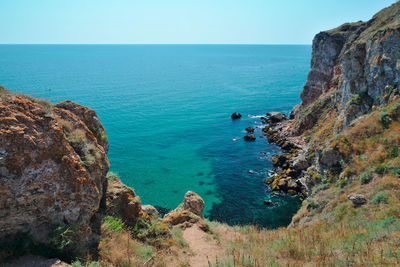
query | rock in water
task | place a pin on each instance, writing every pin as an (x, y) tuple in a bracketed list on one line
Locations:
[(236, 116), (250, 129), (268, 203), (249, 137), (275, 117)]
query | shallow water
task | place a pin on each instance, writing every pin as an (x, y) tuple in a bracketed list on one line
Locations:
[(166, 109)]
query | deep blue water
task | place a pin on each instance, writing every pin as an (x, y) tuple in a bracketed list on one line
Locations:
[(166, 109)]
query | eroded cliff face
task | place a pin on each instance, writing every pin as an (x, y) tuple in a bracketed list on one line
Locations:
[(53, 167), (353, 68)]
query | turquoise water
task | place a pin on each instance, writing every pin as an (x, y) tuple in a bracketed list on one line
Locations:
[(166, 109)]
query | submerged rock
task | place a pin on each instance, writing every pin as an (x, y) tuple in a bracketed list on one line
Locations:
[(249, 137), (250, 129), (269, 203), (236, 116)]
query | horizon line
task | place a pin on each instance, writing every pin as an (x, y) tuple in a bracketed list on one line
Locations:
[(141, 44)]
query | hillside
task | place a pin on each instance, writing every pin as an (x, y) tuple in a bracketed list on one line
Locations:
[(340, 151)]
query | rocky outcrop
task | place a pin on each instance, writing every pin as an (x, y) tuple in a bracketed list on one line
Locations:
[(122, 202), (189, 212), (52, 168)]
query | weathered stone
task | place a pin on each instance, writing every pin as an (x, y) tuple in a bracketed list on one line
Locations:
[(357, 200), (53, 170), (193, 203), (122, 202), (189, 212)]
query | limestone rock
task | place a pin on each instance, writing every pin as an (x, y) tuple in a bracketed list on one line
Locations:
[(90, 118), (53, 170), (193, 203), (190, 211)]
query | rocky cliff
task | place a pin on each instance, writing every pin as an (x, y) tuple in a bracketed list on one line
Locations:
[(353, 68), (53, 166)]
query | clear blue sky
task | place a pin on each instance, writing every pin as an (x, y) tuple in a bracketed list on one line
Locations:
[(177, 21)]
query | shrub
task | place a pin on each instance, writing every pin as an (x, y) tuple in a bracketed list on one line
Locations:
[(381, 169), (396, 172), (366, 177), (342, 182), (384, 119), (393, 152), (355, 100), (381, 197), (394, 111), (114, 224)]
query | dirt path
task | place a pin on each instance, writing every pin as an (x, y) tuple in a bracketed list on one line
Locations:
[(205, 248)]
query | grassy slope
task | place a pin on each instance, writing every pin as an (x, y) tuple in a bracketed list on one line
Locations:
[(328, 230)]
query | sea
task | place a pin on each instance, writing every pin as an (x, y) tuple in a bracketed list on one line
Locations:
[(167, 112)]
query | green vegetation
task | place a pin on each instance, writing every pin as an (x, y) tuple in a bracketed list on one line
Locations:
[(114, 224), (385, 119), (366, 177), (381, 197)]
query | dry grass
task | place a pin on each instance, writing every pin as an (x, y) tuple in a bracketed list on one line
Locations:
[(328, 230)]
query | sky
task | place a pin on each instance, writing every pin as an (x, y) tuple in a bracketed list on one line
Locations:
[(176, 21)]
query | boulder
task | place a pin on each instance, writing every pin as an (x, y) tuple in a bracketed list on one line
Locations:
[(357, 200), (249, 137), (275, 117), (189, 212), (330, 158), (193, 203), (280, 160), (236, 116), (250, 129), (300, 162)]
